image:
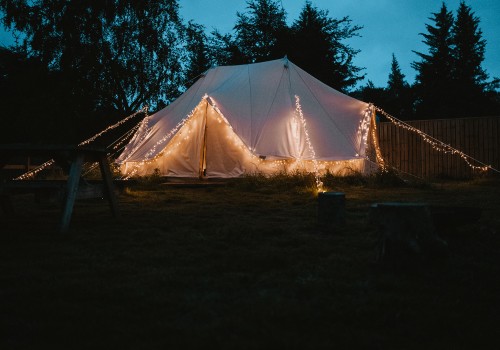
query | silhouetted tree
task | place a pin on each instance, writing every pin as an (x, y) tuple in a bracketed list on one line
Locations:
[(318, 47), (259, 30), (470, 78), (112, 55), (223, 50), (197, 51), (450, 80), (371, 94), (399, 95), (29, 96), (434, 84)]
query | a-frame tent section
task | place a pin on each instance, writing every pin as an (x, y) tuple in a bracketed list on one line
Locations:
[(264, 117)]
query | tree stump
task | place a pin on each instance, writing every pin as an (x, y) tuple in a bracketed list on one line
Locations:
[(331, 210), (406, 233)]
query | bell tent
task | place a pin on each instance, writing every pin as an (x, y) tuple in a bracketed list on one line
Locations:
[(256, 118)]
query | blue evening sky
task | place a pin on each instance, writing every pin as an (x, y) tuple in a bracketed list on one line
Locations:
[(389, 26)]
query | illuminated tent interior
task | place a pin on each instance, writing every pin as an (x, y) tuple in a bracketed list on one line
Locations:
[(257, 118)]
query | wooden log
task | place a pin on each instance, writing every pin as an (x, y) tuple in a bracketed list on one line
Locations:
[(331, 210)]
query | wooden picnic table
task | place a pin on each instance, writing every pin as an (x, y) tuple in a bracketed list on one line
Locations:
[(69, 157)]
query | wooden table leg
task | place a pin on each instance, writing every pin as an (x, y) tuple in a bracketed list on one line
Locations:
[(71, 191), (108, 184)]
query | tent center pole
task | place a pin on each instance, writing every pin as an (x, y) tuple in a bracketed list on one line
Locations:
[(202, 173)]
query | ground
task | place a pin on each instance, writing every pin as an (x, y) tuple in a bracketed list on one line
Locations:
[(244, 265)]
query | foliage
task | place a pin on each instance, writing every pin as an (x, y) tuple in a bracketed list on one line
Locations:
[(223, 50), (258, 32), (469, 76), (399, 93), (30, 100), (315, 42), (469, 48), (371, 94), (80, 65), (450, 81), (197, 49), (434, 80), (317, 46), (110, 55)]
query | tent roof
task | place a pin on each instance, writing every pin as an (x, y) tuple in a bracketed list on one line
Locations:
[(258, 100)]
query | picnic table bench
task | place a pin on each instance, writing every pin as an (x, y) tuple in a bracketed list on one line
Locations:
[(69, 157)]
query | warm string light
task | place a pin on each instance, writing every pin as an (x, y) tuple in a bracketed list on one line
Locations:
[(363, 130), (35, 171), (237, 141), (115, 147), (152, 150), (142, 132), (435, 144), (114, 126), (376, 146), (125, 137), (298, 111), (32, 173), (177, 136)]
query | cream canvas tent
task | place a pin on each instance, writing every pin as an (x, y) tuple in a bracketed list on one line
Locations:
[(257, 118)]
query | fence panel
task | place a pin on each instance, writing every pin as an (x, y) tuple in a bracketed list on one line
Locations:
[(408, 152)]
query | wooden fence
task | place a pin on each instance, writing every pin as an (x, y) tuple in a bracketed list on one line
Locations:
[(408, 152)]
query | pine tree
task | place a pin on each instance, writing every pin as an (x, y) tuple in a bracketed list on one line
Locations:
[(319, 49), (470, 78), (434, 83), (396, 82), (371, 94), (399, 97), (450, 81)]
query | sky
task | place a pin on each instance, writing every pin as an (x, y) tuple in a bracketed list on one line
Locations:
[(389, 26)]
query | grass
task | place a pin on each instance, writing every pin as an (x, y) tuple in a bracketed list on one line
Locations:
[(244, 266)]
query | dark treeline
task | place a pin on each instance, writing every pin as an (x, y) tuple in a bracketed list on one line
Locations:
[(450, 81), (79, 65)]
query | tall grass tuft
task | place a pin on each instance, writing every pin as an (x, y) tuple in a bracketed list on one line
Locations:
[(297, 181)]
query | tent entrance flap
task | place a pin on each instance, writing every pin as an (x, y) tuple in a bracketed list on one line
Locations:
[(225, 152)]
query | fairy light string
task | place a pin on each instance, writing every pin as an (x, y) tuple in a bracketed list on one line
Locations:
[(114, 126), (148, 157), (169, 143), (363, 130), (115, 147), (33, 172), (436, 144), (298, 111), (152, 155), (374, 136)]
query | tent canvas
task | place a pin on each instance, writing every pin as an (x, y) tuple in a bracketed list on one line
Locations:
[(263, 117)]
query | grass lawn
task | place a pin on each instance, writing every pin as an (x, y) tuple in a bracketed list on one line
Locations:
[(244, 266)]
